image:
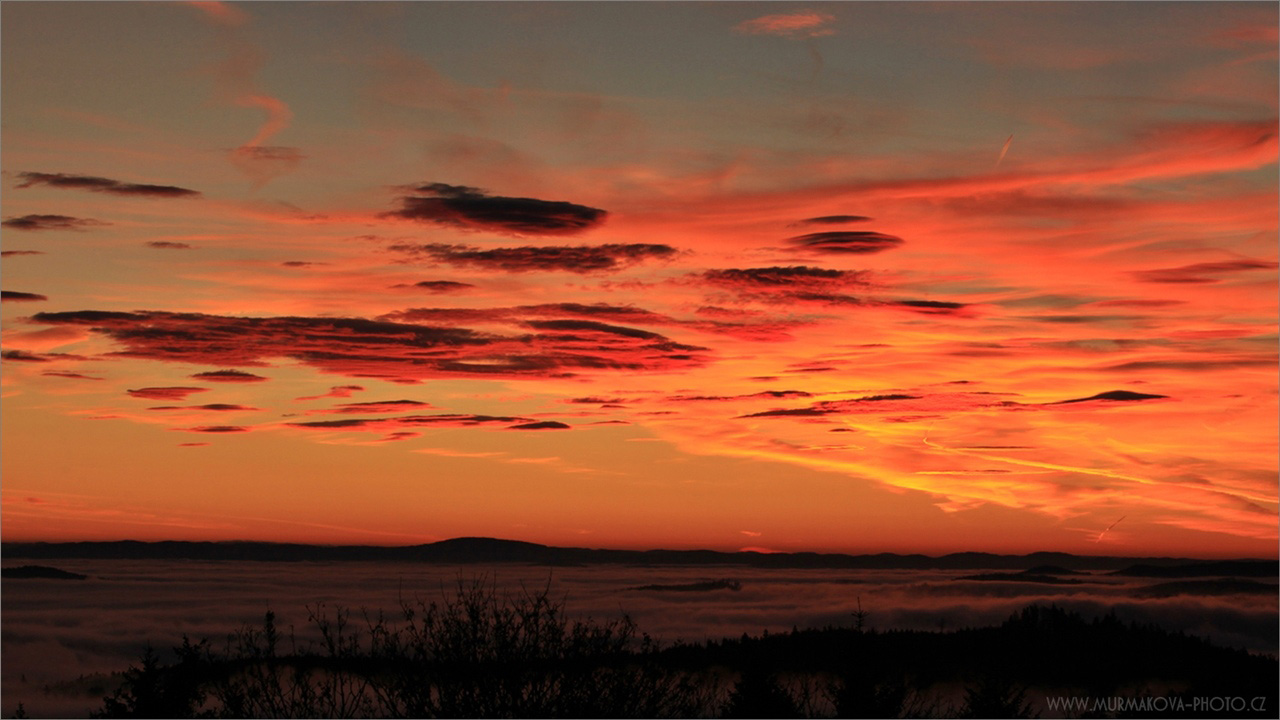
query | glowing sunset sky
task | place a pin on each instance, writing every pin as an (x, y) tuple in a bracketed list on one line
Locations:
[(850, 277)]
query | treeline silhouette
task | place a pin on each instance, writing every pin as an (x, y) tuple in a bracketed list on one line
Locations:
[(479, 653)]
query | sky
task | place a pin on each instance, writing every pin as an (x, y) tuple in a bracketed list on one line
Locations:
[(856, 277)]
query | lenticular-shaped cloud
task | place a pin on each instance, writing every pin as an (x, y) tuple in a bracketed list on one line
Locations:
[(783, 277), (472, 208), (1114, 396), (375, 406), (215, 429), (165, 393), (384, 424), (228, 376), (846, 241), (169, 245), (574, 258), (437, 286), (103, 185), (50, 222), (832, 220), (541, 425), (15, 296)]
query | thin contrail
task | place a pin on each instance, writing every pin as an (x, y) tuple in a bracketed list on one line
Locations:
[(1004, 150), (1104, 532)]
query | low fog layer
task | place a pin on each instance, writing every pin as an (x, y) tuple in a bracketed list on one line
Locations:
[(57, 630)]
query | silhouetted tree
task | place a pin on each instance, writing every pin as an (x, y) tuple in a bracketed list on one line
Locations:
[(152, 690), (759, 695)]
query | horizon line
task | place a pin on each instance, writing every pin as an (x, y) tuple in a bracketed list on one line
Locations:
[(740, 551)]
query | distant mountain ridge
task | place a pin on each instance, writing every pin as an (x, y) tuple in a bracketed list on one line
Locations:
[(467, 550)]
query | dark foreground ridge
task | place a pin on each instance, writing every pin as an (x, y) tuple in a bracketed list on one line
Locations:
[(490, 550), (482, 655), (27, 572)]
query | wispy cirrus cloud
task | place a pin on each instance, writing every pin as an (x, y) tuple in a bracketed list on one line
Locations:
[(236, 80), (1209, 272)]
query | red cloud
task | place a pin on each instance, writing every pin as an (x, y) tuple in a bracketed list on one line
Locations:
[(805, 23), (1201, 272)]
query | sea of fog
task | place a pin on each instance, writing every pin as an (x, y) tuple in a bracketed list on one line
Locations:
[(60, 636)]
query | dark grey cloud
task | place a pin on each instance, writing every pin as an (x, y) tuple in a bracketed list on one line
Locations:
[(167, 245), (216, 429), (382, 424), (228, 376), (846, 242), (165, 393), (470, 207), (105, 185), (930, 307), (574, 258), (213, 407), (1114, 396), (376, 406), (69, 375), (755, 279), (594, 400), (437, 286), (832, 220), (22, 356), (542, 425), (15, 296), (15, 253), (400, 352), (50, 222)]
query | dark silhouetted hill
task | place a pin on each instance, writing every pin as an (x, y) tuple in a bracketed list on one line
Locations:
[(1237, 568), (491, 550), (1225, 586), (39, 571)]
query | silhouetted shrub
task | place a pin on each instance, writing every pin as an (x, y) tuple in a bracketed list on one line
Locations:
[(476, 654), (759, 695), (995, 697)]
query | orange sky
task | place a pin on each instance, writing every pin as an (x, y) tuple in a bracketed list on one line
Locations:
[(640, 275)]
